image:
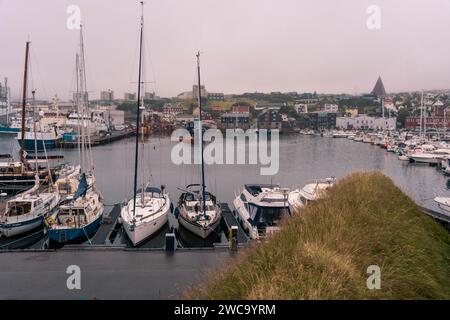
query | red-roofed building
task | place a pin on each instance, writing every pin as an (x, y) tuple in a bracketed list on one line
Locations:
[(240, 109)]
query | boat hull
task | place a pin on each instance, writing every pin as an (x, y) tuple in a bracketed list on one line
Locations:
[(29, 144), (196, 228), (14, 229), (145, 230), (8, 130), (419, 159), (69, 235)]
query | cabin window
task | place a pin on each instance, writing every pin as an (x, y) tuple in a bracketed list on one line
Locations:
[(17, 209)]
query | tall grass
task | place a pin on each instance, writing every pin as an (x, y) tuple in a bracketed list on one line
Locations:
[(324, 250)]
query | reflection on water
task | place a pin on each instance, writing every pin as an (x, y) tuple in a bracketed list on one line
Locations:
[(301, 158)]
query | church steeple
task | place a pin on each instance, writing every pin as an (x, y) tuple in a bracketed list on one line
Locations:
[(379, 90)]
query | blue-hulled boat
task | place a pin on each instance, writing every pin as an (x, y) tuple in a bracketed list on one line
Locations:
[(78, 217)]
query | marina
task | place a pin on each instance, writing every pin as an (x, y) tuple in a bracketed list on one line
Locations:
[(422, 183), (141, 158)]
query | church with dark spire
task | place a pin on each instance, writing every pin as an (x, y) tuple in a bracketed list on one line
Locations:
[(379, 90)]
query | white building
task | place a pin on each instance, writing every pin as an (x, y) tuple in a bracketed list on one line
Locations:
[(365, 122), (330, 107), (301, 107)]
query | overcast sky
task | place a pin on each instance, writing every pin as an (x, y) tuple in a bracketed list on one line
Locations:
[(247, 45)]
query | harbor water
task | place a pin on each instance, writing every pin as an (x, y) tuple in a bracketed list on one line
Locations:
[(301, 158)]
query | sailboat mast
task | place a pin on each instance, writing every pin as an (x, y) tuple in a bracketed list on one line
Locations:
[(8, 102), (77, 102), (138, 111), (24, 101), (201, 133), (34, 129)]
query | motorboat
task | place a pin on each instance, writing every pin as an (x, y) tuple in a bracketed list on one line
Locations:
[(259, 208), (312, 191), (444, 204)]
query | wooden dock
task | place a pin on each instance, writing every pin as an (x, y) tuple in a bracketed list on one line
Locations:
[(101, 140)]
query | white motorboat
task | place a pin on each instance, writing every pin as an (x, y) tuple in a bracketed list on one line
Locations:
[(313, 190), (259, 208), (433, 157), (443, 203)]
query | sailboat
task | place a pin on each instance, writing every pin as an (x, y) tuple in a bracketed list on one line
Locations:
[(148, 210), (79, 215), (18, 176), (28, 210), (198, 210)]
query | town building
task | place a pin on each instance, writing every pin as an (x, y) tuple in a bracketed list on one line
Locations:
[(269, 106), (107, 95), (172, 109), (269, 119), (364, 122), (317, 120), (129, 96), (233, 120), (149, 96), (429, 122), (214, 96), (203, 92), (240, 109), (301, 107)]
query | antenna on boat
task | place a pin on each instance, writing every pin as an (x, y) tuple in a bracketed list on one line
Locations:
[(138, 105), (201, 133)]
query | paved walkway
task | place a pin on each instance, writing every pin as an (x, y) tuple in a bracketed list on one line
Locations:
[(105, 274)]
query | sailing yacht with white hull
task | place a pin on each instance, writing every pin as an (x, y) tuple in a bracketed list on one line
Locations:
[(148, 210), (79, 215), (198, 210)]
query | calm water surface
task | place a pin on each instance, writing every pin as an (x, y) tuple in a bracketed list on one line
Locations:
[(301, 158)]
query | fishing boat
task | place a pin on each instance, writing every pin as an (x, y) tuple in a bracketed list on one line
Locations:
[(79, 215), (259, 208), (148, 210), (198, 210), (48, 139), (312, 191)]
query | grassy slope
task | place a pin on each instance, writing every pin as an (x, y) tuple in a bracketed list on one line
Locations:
[(324, 252)]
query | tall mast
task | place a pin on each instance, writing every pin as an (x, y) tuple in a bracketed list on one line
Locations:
[(138, 111), (24, 101), (421, 116), (34, 129), (201, 133), (77, 102), (8, 102)]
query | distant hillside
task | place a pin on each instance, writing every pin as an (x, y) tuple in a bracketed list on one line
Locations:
[(323, 252)]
